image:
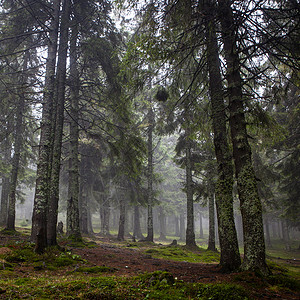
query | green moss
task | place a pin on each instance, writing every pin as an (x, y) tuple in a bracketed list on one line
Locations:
[(181, 253)]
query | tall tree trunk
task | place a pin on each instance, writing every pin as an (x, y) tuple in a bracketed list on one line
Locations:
[(73, 226), (5, 179), (105, 217), (267, 230), (39, 219), (137, 232), (150, 177), (230, 257), (181, 227), (18, 147), (83, 213), (190, 231), (251, 208), (56, 163), (177, 229), (211, 213), (122, 206), (162, 224), (201, 236)]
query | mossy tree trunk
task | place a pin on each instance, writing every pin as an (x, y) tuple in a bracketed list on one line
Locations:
[(211, 219), (39, 219), (190, 230), (58, 133), (251, 208), (17, 147), (230, 258), (73, 225), (7, 145)]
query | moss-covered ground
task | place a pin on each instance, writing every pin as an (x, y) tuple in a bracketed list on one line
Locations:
[(108, 269)]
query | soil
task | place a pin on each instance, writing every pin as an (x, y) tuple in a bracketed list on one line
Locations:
[(129, 261)]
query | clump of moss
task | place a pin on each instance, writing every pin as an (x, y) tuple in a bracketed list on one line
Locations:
[(284, 281)]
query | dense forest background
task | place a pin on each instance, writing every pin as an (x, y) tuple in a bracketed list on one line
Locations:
[(150, 119)]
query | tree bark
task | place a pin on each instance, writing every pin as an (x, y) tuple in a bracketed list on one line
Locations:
[(181, 227), (73, 225), (39, 220), (230, 258), (137, 232), (56, 160), (251, 208), (18, 147), (5, 179), (162, 224), (201, 236), (190, 231), (211, 213), (150, 233), (122, 206)]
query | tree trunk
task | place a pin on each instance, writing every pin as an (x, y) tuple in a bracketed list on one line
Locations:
[(105, 208), (190, 231), (267, 227), (150, 177), (137, 232), (56, 158), (73, 226), (83, 213), (39, 220), (201, 236), (211, 213), (177, 229), (230, 258), (251, 209), (182, 227), (5, 179), (18, 147), (162, 224), (122, 206)]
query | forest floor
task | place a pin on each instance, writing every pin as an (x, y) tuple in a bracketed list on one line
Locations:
[(109, 258)]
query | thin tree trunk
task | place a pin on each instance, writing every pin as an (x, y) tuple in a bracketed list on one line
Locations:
[(5, 179), (39, 220), (122, 206), (162, 224), (201, 236), (56, 160), (211, 213), (73, 225), (106, 216), (18, 147), (177, 229), (251, 208), (230, 258), (137, 232), (267, 227), (190, 231), (182, 227), (150, 177)]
